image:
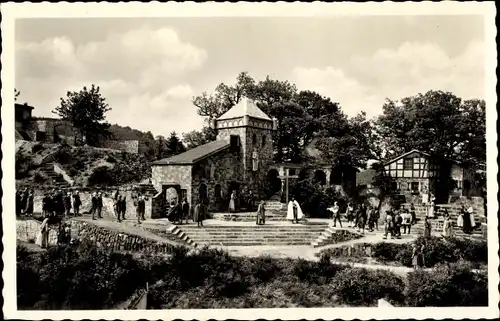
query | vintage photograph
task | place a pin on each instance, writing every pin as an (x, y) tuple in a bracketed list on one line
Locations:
[(251, 162)]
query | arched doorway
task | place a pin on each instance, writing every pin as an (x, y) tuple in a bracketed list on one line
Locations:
[(319, 177), (273, 183), (203, 194), (172, 196)]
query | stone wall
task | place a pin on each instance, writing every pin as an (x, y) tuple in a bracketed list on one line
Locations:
[(167, 174), (27, 231), (129, 146), (118, 241), (219, 169)]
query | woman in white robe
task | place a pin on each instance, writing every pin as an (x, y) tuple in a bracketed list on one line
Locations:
[(430, 210), (293, 206), (471, 215), (42, 238)]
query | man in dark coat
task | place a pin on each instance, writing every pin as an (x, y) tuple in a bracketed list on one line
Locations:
[(185, 210), (199, 214), (30, 203), (93, 209), (141, 209), (77, 202), (99, 205)]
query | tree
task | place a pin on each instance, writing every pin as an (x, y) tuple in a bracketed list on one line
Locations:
[(86, 110), (437, 122), (174, 145), (197, 138), (161, 150), (440, 124), (16, 94)]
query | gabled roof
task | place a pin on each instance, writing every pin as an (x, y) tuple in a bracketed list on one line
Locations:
[(195, 155), (418, 152), (245, 107), (406, 154)]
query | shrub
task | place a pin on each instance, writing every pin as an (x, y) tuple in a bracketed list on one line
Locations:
[(102, 175), (36, 148), (448, 285), (362, 287)]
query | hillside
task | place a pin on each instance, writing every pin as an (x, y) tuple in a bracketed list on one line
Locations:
[(87, 166)]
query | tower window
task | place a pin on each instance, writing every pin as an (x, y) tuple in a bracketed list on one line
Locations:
[(254, 139), (263, 140)]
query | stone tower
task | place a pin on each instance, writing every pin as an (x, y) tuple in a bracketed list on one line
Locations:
[(254, 129)]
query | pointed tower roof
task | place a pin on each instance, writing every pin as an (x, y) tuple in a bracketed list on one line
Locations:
[(245, 107)]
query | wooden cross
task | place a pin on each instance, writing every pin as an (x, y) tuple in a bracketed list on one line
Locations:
[(286, 177)]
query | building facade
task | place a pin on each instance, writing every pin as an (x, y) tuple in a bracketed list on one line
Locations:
[(238, 160)]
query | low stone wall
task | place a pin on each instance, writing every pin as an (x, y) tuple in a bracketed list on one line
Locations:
[(27, 231), (117, 241)]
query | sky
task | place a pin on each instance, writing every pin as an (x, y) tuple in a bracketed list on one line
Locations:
[(150, 69)]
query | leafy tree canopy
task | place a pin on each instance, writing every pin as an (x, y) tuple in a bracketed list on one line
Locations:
[(437, 122), (86, 110)]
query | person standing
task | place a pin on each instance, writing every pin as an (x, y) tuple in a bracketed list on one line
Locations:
[(42, 239), (336, 214), (398, 221), (93, 209), (407, 222), (427, 228), (123, 206), (100, 205), (198, 214), (348, 214), (413, 214), (30, 203), (293, 211), (232, 200), (185, 210), (67, 205), (388, 225), (261, 214), (59, 203), (141, 208), (431, 209), (77, 202), (466, 226), (416, 257), (447, 225), (362, 218), (18, 202), (116, 208)]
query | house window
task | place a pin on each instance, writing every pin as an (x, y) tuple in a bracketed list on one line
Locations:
[(263, 140), (414, 186), (408, 163), (254, 139), (292, 171)]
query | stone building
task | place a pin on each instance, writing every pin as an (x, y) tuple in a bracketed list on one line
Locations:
[(239, 159)]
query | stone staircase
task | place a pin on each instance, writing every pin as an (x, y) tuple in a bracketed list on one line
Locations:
[(248, 235), (437, 223), (57, 180), (333, 235), (173, 233)]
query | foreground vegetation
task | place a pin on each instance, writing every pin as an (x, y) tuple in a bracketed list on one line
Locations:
[(85, 277), (437, 251)]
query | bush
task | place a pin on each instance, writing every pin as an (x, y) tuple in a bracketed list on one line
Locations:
[(362, 287), (449, 285), (40, 177), (103, 176), (36, 148)]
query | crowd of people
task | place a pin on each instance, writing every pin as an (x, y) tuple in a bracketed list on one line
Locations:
[(360, 216), (25, 202)]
